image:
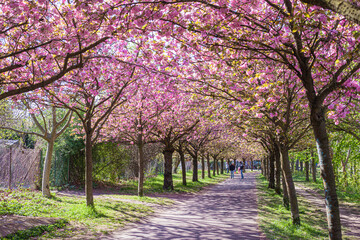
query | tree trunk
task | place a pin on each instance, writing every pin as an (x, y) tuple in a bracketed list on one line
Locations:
[(252, 165), (313, 166), (285, 193), (141, 168), (168, 179), (285, 165), (183, 167), (301, 166), (88, 167), (297, 165), (177, 162), (292, 166), (271, 171), (265, 168), (278, 170), (208, 165), (214, 167), (202, 167), (327, 172), (222, 166), (195, 168), (307, 171), (46, 169), (217, 167)]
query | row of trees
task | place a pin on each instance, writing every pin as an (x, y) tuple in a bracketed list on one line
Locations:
[(139, 72)]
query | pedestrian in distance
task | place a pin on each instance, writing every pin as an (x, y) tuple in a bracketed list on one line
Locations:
[(232, 169), (241, 170)]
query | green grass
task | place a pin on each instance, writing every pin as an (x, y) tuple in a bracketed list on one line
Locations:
[(154, 184), (108, 214), (110, 211), (348, 196), (275, 220), (36, 231)]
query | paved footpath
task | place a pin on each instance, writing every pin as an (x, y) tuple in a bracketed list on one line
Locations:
[(225, 211)]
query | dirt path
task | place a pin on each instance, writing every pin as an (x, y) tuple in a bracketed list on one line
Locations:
[(225, 211), (350, 216)]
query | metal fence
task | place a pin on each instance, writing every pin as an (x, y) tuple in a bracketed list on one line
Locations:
[(19, 166)]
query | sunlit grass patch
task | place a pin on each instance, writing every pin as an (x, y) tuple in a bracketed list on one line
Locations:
[(275, 220)]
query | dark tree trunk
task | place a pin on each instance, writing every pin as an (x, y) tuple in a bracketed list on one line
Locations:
[(307, 170), (285, 194), (222, 166), (265, 168), (297, 165), (214, 166), (208, 165), (202, 167), (285, 165), (301, 166), (252, 165), (168, 180), (88, 167), (141, 168), (183, 167), (327, 172), (217, 167), (271, 171), (176, 166), (195, 168), (278, 170)]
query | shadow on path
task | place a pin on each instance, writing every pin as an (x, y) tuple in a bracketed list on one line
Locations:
[(350, 216), (225, 211)]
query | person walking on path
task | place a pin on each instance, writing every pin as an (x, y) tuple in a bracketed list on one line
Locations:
[(232, 169), (241, 170)]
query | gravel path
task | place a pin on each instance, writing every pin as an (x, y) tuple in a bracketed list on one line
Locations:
[(350, 215), (225, 211)]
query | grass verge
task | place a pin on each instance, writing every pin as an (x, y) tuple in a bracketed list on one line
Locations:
[(349, 196), (275, 219), (154, 184), (110, 211)]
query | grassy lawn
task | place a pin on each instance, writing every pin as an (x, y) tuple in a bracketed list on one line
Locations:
[(348, 196), (154, 184), (275, 220), (110, 211)]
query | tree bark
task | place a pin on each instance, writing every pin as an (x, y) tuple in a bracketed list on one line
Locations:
[(202, 167), (222, 166), (214, 167), (176, 166), (301, 166), (285, 165), (183, 167), (313, 166), (286, 202), (141, 168), (217, 167), (195, 168), (271, 171), (331, 200), (168, 179), (47, 167), (278, 170), (208, 165), (345, 8), (88, 166), (307, 171)]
